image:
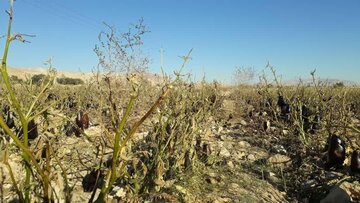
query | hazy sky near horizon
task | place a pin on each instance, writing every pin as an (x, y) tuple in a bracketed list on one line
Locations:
[(294, 36)]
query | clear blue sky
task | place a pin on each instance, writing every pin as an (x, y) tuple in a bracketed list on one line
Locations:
[(294, 36)]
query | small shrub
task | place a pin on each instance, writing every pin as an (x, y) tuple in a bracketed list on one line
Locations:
[(15, 79), (38, 78), (339, 84), (69, 81)]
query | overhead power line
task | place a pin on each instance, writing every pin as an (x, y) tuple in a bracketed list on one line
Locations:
[(64, 13)]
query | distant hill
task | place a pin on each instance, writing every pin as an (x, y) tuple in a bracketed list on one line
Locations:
[(28, 72), (24, 73)]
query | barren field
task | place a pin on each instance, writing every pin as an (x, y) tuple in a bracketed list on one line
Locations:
[(180, 141)]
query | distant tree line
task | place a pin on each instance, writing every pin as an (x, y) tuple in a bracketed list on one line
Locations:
[(38, 78)]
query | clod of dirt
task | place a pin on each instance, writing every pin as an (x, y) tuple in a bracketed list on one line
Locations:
[(224, 153), (279, 160), (251, 157)]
